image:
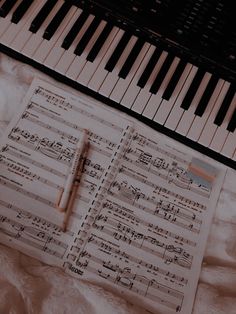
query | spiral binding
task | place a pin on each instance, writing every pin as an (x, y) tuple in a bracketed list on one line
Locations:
[(96, 205)]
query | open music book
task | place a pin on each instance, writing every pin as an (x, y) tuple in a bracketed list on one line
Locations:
[(143, 208)]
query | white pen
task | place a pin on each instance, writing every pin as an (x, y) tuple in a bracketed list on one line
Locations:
[(67, 190)]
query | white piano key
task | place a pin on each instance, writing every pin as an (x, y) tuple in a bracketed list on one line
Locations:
[(80, 61), (144, 95), (133, 89), (100, 74), (57, 51), (229, 147), (177, 112), (123, 84), (167, 105), (36, 38), (6, 21), (155, 100), (68, 56), (221, 131), (23, 36), (188, 116), (46, 45), (210, 128), (234, 156), (90, 67), (14, 29), (216, 99), (112, 77)]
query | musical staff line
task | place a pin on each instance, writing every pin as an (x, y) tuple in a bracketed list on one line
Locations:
[(129, 280), (34, 219), (132, 174), (123, 213), (50, 148), (171, 174), (12, 152), (82, 111), (180, 257), (33, 237), (92, 136), (143, 141), (109, 249)]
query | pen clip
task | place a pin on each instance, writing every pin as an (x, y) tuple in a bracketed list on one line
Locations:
[(57, 204)]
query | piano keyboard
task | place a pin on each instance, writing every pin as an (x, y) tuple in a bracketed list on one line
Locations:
[(149, 82)]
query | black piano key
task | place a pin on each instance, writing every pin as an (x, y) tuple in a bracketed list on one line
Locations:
[(192, 89), (57, 19), (21, 10), (42, 15), (87, 36), (162, 73), (131, 58), (117, 52), (70, 37), (149, 68), (232, 123), (225, 106), (6, 7), (99, 42), (174, 80), (201, 107)]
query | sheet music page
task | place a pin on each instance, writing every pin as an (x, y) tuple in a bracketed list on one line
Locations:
[(148, 238), (35, 155)]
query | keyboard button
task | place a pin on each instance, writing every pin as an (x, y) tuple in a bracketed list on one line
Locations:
[(118, 52), (100, 74), (69, 56), (232, 123), (189, 115), (91, 67), (79, 62), (24, 35), (206, 96), (225, 106), (154, 102), (221, 132), (32, 45), (198, 123), (13, 29), (210, 128), (131, 59), (21, 10), (229, 147), (42, 15), (162, 73), (193, 89), (149, 68), (99, 42), (7, 7), (46, 46), (57, 51), (174, 80), (144, 95), (166, 106), (122, 84), (87, 36), (112, 77), (133, 89), (71, 35), (57, 20), (177, 112), (6, 21)]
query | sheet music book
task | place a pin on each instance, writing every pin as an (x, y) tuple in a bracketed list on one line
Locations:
[(142, 212)]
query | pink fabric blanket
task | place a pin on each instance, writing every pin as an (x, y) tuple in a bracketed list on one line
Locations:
[(28, 286)]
